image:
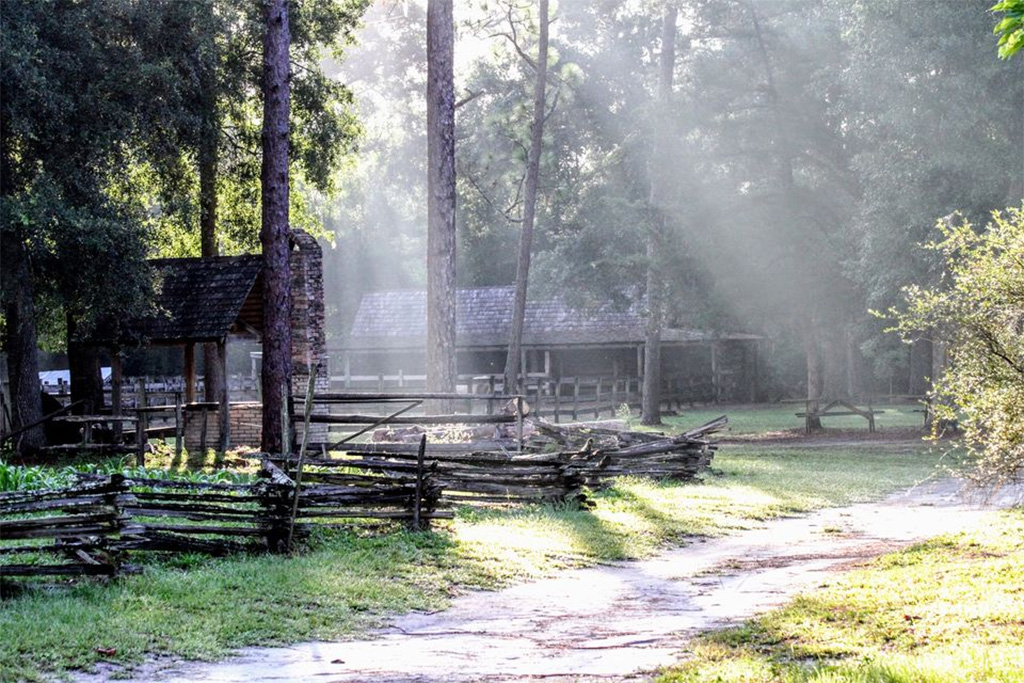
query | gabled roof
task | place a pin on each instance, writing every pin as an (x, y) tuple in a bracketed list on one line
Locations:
[(398, 319), (200, 299)]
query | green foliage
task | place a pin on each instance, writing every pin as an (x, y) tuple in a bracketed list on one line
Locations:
[(1010, 28), (81, 91), (21, 478), (28, 477), (924, 147), (978, 313), (224, 67)]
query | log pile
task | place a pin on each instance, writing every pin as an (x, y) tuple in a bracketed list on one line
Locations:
[(599, 455)]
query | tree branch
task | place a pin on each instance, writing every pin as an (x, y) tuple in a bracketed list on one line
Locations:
[(470, 97)]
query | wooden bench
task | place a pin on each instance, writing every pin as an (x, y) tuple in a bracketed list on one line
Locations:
[(814, 410)]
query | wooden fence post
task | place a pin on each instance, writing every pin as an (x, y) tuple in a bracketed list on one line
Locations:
[(418, 499), (519, 424), (179, 425), (140, 441), (558, 398), (576, 398)]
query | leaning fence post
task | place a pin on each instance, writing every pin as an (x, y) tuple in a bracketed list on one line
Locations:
[(418, 500), (307, 413)]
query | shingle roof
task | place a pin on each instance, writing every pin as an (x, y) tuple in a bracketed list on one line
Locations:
[(196, 299), (398, 319)]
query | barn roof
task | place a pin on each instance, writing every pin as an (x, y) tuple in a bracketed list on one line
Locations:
[(398, 319), (199, 300)]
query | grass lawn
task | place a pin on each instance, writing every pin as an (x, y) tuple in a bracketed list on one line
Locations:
[(776, 417), (202, 608), (950, 610)]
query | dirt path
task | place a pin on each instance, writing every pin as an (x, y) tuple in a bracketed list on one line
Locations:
[(609, 622)]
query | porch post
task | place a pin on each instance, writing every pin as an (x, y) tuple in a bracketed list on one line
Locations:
[(190, 372), (714, 371), (116, 382), (224, 411)]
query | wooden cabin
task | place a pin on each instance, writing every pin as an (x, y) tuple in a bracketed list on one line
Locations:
[(218, 300)]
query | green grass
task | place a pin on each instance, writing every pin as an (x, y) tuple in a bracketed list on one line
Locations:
[(950, 610), (776, 417), (347, 583)]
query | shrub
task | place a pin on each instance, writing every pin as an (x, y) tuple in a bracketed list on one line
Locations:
[(977, 312)]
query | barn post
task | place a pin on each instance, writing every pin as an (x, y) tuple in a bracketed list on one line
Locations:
[(224, 412), (190, 372), (116, 381)]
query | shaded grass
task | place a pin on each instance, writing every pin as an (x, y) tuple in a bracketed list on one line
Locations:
[(755, 419), (950, 610), (346, 583)]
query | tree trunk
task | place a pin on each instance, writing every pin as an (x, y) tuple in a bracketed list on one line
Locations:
[(650, 405), (214, 370), (274, 231), (214, 374), (86, 373), (853, 363), (20, 342), (812, 351), (515, 343), (920, 367), (650, 413), (441, 292)]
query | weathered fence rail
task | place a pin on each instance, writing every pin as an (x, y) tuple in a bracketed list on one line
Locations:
[(71, 530)]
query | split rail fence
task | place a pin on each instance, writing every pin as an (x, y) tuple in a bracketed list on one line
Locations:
[(500, 458), (94, 527)]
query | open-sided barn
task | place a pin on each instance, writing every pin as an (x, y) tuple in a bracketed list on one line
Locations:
[(388, 339)]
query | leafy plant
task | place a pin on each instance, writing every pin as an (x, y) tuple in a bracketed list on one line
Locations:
[(1010, 28), (978, 314)]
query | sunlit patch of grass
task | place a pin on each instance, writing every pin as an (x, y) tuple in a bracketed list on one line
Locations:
[(347, 582), (950, 609), (164, 456)]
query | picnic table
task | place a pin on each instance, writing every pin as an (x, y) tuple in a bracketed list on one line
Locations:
[(819, 408)]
